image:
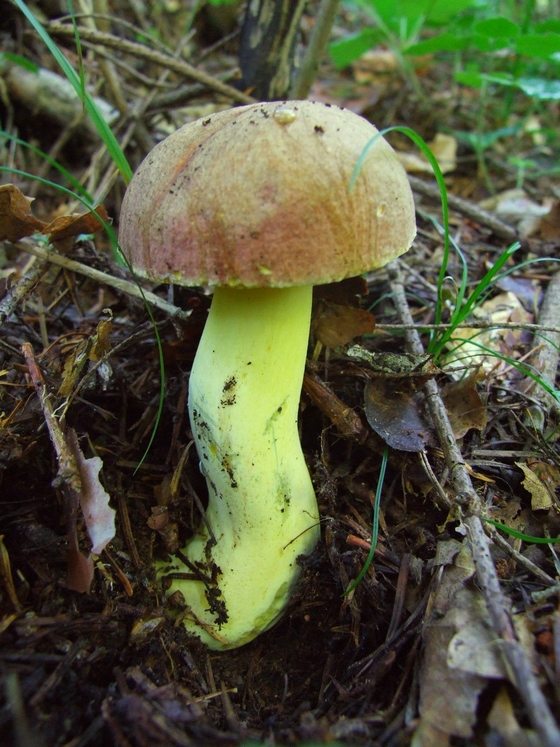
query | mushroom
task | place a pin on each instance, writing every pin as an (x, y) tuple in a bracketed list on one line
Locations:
[(256, 201)]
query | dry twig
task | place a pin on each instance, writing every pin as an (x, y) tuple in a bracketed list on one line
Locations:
[(469, 209), (125, 286), (152, 55)]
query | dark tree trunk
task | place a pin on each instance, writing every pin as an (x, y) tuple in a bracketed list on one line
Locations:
[(268, 42)]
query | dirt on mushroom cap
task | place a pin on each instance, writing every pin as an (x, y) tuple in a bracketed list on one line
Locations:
[(259, 196)]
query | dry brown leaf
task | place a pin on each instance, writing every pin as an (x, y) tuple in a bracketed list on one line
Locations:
[(68, 226), (502, 718), (464, 406), (16, 220), (336, 324), (73, 367), (549, 227), (394, 416), (448, 695), (100, 341), (541, 499)]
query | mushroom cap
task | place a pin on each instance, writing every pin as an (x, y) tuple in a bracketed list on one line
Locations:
[(259, 196)]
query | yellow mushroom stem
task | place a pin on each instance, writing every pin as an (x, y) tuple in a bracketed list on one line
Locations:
[(262, 513)]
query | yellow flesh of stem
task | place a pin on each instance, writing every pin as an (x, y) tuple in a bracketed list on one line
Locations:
[(243, 404)]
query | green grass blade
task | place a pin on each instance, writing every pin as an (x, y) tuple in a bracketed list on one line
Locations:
[(101, 125), (421, 143), (53, 162), (375, 527), (520, 535)]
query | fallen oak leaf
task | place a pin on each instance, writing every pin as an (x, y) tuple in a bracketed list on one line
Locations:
[(464, 406), (69, 226), (16, 220), (335, 324)]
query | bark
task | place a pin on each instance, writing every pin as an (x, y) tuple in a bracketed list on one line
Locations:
[(268, 42)]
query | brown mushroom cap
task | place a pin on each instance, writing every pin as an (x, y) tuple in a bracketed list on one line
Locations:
[(259, 196)]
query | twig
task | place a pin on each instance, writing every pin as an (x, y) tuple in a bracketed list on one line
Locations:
[(67, 466), (125, 286), (466, 497), (152, 55), (476, 213), (504, 545), (475, 325), (19, 290), (547, 363), (315, 49), (61, 670)]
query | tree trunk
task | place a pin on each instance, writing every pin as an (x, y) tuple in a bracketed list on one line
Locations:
[(268, 42)]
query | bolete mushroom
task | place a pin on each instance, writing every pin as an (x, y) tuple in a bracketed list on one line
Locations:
[(256, 202)]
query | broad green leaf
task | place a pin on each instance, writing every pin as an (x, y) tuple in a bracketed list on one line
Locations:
[(538, 45), (497, 28), (474, 80), (544, 90), (552, 26), (446, 42), (442, 12), (490, 44), (347, 50)]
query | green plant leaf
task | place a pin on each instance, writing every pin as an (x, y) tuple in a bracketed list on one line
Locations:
[(544, 90), (538, 45), (474, 80), (497, 28), (441, 12), (345, 51), (477, 80), (446, 42), (490, 44), (552, 26)]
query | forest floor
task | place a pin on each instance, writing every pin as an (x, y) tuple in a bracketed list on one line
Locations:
[(453, 634)]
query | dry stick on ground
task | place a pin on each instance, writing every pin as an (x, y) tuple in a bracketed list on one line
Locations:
[(466, 208), (152, 55), (516, 661), (547, 363), (20, 289), (125, 286)]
